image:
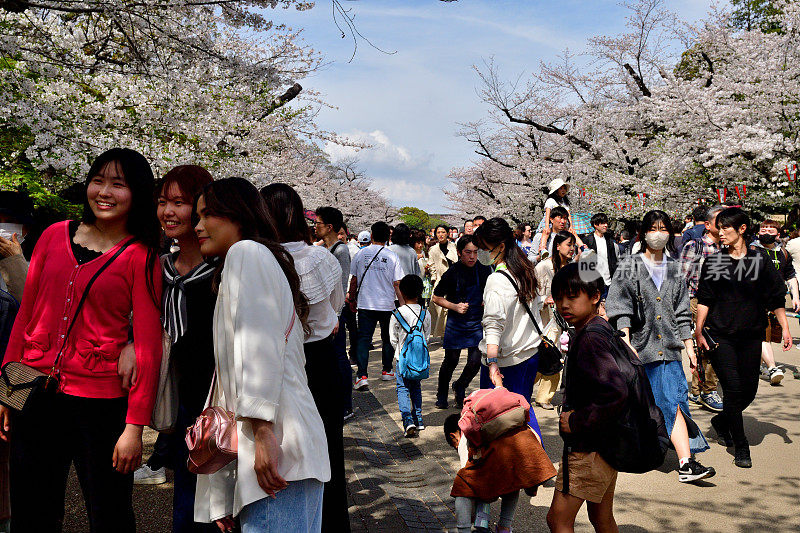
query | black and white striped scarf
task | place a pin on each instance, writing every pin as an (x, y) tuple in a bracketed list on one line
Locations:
[(173, 315)]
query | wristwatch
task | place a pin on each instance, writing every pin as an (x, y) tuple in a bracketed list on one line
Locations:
[(491, 360)]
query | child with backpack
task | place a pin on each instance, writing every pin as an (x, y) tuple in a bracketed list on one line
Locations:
[(409, 329), (499, 453), (596, 393)]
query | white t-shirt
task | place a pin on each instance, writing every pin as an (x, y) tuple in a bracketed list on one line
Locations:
[(602, 259), (377, 288), (657, 270)]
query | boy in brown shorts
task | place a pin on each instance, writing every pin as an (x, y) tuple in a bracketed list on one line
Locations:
[(595, 394)]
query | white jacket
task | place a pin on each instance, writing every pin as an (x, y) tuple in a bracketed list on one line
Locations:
[(262, 375), (507, 324)]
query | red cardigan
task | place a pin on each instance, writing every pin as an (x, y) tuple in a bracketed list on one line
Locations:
[(53, 288)]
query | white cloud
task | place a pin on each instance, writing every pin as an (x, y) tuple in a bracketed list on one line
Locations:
[(403, 192), (381, 153)]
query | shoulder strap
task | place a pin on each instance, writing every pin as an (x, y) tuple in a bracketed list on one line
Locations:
[(402, 321), (335, 246), (364, 275), (83, 299), (524, 303)]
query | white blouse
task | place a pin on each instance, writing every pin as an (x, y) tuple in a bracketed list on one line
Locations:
[(321, 281), (262, 375)]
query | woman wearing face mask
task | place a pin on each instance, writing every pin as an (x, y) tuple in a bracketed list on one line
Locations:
[(737, 286), (441, 256), (564, 245), (649, 285), (510, 340)]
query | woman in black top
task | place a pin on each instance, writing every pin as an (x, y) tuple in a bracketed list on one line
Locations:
[(737, 285)]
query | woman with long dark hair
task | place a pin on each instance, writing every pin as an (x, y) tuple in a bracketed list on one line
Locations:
[(563, 253), (649, 301), (260, 321), (320, 280), (91, 421), (737, 287), (510, 340), (187, 317)]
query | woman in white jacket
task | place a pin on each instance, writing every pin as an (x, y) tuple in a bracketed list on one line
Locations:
[(510, 340), (276, 484)]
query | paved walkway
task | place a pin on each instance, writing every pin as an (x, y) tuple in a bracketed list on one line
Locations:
[(399, 484)]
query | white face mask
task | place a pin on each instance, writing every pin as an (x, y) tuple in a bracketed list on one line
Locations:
[(7, 230), (656, 240)]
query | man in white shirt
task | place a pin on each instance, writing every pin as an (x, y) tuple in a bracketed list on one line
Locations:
[(605, 249), (375, 285)]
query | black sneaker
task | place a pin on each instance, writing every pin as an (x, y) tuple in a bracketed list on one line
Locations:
[(694, 471), (441, 404), (741, 458), (724, 436), (409, 430)]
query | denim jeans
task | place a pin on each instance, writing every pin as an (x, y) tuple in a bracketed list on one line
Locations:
[(345, 371), (297, 508), (409, 399), (367, 320)]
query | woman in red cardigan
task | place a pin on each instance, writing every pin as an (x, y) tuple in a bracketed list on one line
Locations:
[(91, 422)]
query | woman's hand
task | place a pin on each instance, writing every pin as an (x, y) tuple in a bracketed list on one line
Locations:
[(701, 341), (9, 247), (226, 524), (787, 340), (692, 356), (126, 367), (495, 375), (5, 423), (268, 455), (563, 422), (127, 455)]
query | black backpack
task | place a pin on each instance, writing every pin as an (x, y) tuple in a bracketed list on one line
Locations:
[(637, 441)]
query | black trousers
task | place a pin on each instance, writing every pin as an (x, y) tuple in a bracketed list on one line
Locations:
[(324, 381), (449, 364), (58, 431), (352, 329), (737, 363)]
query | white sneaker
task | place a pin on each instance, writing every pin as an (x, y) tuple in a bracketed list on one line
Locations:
[(144, 475), (387, 376), (775, 375), (361, 383)]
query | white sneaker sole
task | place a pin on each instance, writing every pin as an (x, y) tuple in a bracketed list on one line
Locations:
[(688, 478), (156, 480), (410, 431), (361, 386), (775, 379), (384, 377)]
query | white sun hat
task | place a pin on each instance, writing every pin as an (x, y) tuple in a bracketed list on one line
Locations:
[(364, 237), (556, 184)]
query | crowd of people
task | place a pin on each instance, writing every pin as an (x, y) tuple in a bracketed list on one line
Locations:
[(233, 295)]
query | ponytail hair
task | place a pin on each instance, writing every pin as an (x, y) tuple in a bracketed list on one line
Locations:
[(495, 232)]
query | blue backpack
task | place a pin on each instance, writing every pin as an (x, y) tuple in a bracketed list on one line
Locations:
[(414, 359)]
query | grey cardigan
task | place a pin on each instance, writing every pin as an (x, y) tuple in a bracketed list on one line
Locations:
[(667, 317)]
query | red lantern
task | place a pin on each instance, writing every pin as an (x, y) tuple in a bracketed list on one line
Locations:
[(642, 196), (741, 191), (791, 171), (722, 195)]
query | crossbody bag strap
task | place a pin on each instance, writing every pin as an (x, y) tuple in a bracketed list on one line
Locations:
[(83, 300), (364, 275), (524, 303)]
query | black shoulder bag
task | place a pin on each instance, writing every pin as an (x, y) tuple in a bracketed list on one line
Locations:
[(549, 355), (638, 318), (19, 383)]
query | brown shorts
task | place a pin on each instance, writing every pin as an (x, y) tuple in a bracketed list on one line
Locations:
[(774, 330), (590, 477)]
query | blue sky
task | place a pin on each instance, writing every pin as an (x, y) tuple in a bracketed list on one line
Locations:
[(408, 105)]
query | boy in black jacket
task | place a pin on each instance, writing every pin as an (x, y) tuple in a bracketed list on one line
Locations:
[(595, 394)]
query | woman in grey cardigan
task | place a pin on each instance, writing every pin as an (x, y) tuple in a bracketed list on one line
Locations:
[(652, 280)]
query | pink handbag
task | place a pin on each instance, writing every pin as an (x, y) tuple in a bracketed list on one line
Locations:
[(212, 439), (488, 413)]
